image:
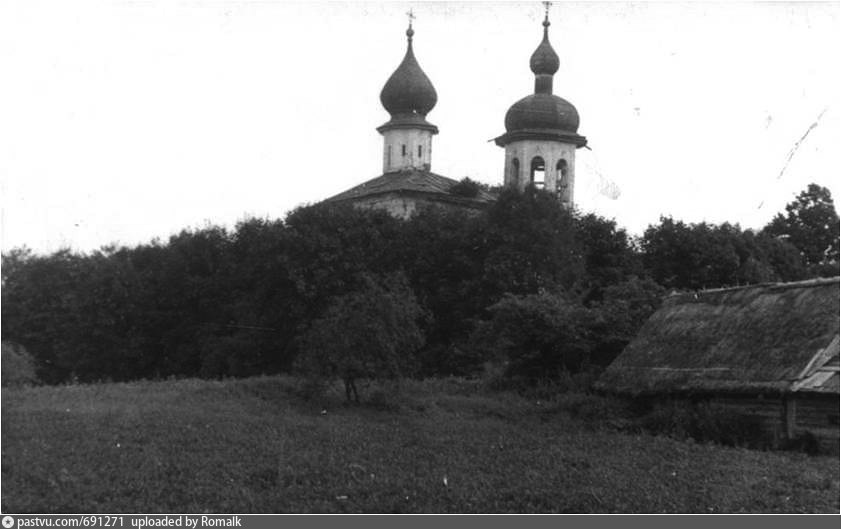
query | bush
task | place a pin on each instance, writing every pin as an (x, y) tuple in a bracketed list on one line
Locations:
[(311, 388), (386, 396), (466, 188), (804, 442), (18, 366), (458, 360), (236, 355), (597, 411), (497, 378), (705, 422)]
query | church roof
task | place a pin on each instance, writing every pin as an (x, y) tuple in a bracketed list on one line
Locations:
[(411, 181)]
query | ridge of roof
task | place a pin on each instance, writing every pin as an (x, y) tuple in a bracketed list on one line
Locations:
[(815, 282)]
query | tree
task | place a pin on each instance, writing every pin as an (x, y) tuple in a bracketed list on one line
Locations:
[(442, 252), (608, 253), (369, 333), (811, 224), (531, 245), (623, 309), (537, 335), (266, 308), (782, 257), (40, 307), (697, 256), (328, 246)]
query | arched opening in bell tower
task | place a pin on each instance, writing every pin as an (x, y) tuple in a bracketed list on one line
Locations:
[(537, 176), (563, 177)]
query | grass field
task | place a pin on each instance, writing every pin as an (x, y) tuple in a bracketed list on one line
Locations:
[(253, 446)]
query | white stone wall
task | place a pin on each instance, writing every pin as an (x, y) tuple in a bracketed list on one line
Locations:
[(552, 152), (394, 142), (403, 207), (396, 206)]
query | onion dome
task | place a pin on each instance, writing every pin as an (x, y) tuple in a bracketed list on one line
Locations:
[(542, 115), (544, 60), (542, 111), (408, 95)]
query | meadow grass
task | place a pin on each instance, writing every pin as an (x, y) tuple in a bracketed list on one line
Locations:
[(255, 446)]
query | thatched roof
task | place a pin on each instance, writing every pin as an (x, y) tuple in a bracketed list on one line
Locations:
[(771, 338)]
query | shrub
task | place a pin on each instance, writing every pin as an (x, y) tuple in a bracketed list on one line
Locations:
[(705, 422), (497, 378), (459, 360), (236, 355), (466, 188), (386, 396), (18, 366), (804, 442), (597, 411)]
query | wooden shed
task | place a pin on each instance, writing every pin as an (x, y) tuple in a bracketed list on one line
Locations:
[(769, 351)]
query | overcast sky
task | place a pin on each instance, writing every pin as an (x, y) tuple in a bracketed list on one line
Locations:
[(127, 120)]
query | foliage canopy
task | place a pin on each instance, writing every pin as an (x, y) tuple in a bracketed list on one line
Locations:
[(811, 224), (214, 302)]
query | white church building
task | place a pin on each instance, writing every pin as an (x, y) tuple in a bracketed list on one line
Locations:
[(540, 140)]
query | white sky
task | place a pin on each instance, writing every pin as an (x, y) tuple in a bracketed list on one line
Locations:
[(127, 120)]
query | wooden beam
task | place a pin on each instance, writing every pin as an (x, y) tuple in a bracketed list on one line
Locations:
[(789, 416)]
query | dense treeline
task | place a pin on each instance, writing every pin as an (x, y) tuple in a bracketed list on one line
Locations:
[(526, 283)]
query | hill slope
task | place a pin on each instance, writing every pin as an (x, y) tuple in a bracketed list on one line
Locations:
[(253, 446)]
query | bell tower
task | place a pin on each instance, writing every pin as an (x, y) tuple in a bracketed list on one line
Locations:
[(408, 96), (541, 131)]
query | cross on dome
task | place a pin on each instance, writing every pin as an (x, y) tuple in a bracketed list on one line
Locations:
[(410, 32)]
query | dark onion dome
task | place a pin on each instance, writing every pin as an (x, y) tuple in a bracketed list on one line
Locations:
[(408, 95), (542, 115), (544, 60), (542, 111)]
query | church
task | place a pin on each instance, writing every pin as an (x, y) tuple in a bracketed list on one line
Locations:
[(540, 140)]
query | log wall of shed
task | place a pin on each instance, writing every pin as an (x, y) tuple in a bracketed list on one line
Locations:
[(819, 416), (785, 418)]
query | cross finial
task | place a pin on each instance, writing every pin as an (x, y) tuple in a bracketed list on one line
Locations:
[(410, 32), (546, 6)]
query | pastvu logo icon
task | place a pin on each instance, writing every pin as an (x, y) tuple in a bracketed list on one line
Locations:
[(8, 522)]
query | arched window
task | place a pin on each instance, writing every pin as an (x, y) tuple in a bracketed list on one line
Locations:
[(389, 157), (420, 151), (538, 172), (563, 177), (404, 150), (514, 171)]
